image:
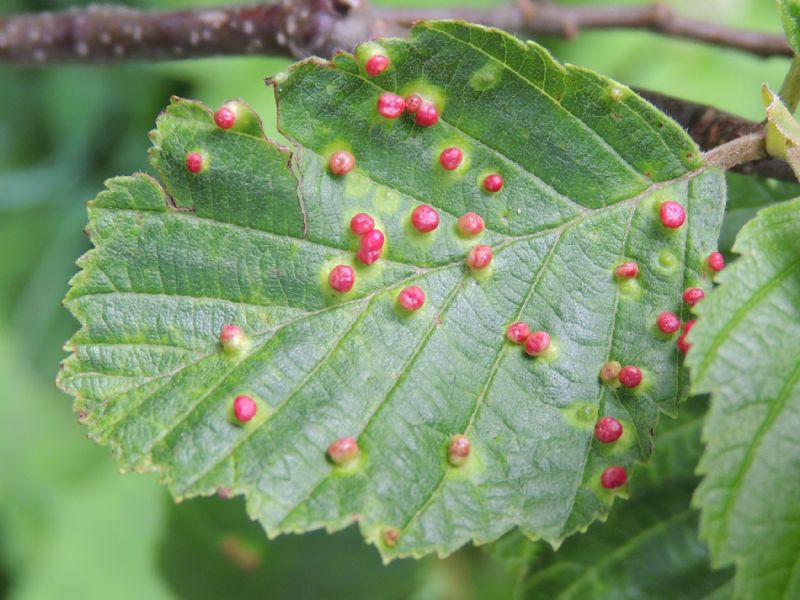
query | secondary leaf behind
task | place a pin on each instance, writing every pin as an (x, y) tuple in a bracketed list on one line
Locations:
[(747, 354)]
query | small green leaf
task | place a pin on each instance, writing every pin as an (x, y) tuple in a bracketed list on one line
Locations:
[(790, 17), (783, 132), (747, 195), (647, 549), (252, 238), (746, 349)]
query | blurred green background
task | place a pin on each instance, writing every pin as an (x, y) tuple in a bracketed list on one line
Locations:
[(70, 525)]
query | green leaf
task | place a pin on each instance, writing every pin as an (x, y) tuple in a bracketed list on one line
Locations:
[(249, 241), (649, 548), (64, 508), (745, 352), (747, 195), (236, 556), (790, 17), (783, 132)]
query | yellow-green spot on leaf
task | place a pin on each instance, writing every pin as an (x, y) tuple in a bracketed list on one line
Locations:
[(387, 201), (581, 415), (418, 238), (667, 262), (487, 77), (367, 49), (630, 288)]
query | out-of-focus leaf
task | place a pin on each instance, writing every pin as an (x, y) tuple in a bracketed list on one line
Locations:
[(71, 526), (783, 132), (215, 538), (746, 353), (648, 548), (746, 196), (790, 17)]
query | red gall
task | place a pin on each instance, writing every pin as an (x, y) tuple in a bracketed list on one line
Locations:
[(470, 224), (518, 332), (693, 295), (668, 322), (376, 64), (342, 278), (493, 183), (609, 372), (607, 430), (343, 451), (630, 376), (450, 158), (424, 218), (244, 408), (683, 345), (627, 270), (411, 298), (716, 262), (341, 163), (537, 343), (225, 117), (361, 224), (426, 115), (391, 106), (232, 338), (672, 214), (371, 247), (479, 257), (613, 477), (458, 452), (194, 162), (413, 103)]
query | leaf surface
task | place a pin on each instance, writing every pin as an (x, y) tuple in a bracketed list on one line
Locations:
[(750, 513), (790, 17), (649, 548), (251, 241)]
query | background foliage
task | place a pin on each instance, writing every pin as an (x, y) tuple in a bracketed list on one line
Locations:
[(70, 526)]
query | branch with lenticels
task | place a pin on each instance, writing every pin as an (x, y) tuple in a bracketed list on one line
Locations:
[(300, 28), (104, 34)]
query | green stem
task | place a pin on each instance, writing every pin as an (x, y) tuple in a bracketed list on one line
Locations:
[(790, 90)]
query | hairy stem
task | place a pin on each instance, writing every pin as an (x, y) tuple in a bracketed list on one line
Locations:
[(745, 149)]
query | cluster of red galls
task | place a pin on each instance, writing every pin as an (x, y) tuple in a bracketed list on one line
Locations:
[(425, 113), (225, 118), (392, 106), (342, 451), (608, 429), (425, 219), (673, 216)]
